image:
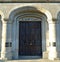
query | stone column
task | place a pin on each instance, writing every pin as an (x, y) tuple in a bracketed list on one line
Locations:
[(52, 41), (6, 52), (3, 48), (9, 41)]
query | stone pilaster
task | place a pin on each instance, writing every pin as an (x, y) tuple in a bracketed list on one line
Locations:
[(52, 41), (3, 49), (6, 52)]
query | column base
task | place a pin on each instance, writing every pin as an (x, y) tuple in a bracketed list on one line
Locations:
[(57, 59), (45, 55), (3, 59), (6, 56), (52, 53), (9, 56)]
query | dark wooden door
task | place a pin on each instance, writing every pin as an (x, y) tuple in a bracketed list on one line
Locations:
[(30, 39)]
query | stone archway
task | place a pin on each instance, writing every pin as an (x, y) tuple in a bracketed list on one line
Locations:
[(30, 15), (18, 13), (27, 14)]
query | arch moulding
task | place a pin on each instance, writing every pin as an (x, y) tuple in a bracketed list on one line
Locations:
[(30, 11), (17, 11)]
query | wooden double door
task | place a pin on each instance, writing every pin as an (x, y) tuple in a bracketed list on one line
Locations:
[(30, 38)]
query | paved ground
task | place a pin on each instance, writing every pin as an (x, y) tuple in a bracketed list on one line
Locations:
[(36, 60)]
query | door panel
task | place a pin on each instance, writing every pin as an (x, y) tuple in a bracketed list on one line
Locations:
[(30, 41)]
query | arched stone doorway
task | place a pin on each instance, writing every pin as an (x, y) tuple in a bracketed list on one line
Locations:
[(28, 13)]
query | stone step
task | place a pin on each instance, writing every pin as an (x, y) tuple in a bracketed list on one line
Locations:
[(36, 60), (45, 55)]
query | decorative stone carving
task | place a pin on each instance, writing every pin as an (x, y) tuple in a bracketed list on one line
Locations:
[(29, 19)]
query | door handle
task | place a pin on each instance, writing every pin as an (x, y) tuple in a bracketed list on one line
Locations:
[(30, 43)]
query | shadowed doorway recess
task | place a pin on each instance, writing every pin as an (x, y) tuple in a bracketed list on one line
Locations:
[(30, 38)]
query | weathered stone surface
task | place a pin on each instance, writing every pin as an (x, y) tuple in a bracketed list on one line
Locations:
[(53, 8)]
